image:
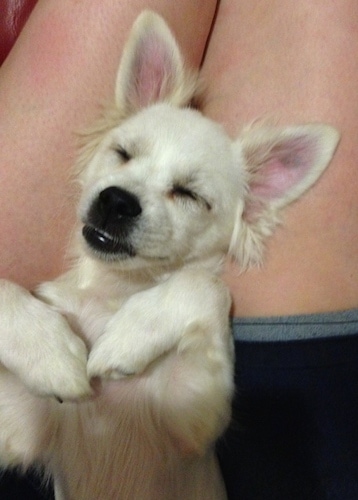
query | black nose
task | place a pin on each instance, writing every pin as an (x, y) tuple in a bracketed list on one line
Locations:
[(115, 203), (110, 221)]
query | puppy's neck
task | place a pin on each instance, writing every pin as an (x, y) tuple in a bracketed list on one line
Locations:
[(93, 273)]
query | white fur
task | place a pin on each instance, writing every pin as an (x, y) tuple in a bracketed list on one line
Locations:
[(153, 315)]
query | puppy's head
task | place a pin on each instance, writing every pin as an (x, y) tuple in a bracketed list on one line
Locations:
[(163, 185)]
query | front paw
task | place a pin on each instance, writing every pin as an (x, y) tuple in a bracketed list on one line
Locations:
[(59, 368), (131, 341), (39, 347), (113, 358), (46, 355)]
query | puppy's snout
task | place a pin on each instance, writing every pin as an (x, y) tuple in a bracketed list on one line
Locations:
[(115, 203), (110, 221)]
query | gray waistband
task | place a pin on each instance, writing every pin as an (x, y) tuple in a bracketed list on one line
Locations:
[(282, 328)]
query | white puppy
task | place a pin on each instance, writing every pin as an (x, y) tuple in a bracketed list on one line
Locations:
[(135, 337)]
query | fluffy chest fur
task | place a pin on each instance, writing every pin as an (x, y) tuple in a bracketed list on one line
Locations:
[(131, 424)]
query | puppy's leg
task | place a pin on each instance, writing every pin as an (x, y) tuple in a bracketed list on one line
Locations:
[(187, 317), (153, 322), (37, 344), (194, 391), (27, 423), (200, 385)]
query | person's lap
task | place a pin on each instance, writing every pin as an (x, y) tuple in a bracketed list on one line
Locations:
[(294, 432)]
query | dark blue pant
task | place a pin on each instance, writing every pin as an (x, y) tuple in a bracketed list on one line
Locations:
[(15, 486), (294, 434)]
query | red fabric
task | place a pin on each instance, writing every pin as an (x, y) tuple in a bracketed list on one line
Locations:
[(13, 16)]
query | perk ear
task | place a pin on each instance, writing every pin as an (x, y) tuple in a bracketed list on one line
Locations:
[(281, 164), (152, 68)]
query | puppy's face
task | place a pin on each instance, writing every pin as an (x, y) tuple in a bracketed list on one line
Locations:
[(163, 188), (166, 186)]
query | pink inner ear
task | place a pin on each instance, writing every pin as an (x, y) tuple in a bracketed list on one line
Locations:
[(151, 71), (286, 165)]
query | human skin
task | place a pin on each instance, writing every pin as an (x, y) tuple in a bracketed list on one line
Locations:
[(294, 62), (53, 83)]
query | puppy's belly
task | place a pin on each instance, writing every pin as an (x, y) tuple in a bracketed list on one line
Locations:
[(118, 446)]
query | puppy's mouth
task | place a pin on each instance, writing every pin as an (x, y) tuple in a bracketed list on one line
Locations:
[(106, 243), (109, 222)]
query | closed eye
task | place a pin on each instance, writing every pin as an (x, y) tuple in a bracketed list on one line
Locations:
[(179, 191), (123, 154), (183, 192)]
